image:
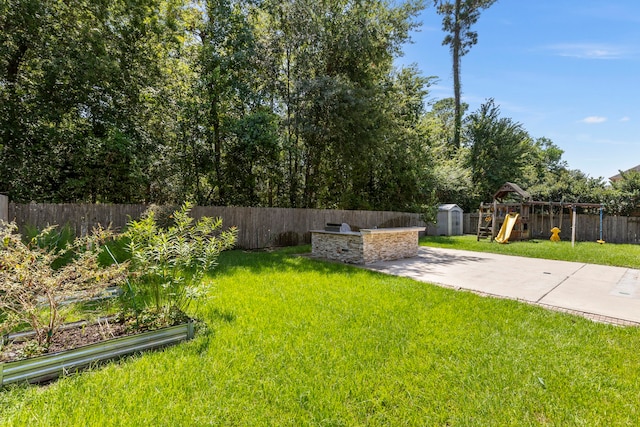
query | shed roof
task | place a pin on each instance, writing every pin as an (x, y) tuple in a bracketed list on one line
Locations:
[(449, 207), (510, 187)]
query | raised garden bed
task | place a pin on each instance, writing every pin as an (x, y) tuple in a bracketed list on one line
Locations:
[(52, 365)]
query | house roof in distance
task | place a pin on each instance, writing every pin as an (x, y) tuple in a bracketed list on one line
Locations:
[(618, 177)]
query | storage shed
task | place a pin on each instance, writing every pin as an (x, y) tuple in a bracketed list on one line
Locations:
[(449, 220)]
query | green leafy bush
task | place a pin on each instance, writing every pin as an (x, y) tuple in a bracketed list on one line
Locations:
[(168, 263)]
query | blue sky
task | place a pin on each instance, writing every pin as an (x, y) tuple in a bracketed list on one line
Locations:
[(567, 70)]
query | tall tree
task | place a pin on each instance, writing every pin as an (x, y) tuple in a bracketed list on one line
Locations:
[(458, 16), (272, 102), (440, 123), (76, 80), (330, 67), (497, 149)]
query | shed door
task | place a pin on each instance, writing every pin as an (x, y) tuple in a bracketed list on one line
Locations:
[(456, 223)]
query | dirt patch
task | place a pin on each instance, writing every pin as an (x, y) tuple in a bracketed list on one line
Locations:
[(67, 339)]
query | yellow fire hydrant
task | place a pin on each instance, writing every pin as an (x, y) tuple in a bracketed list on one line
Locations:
[(555, 236)]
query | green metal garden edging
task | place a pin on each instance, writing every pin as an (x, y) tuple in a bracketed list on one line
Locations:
[(51, 366)]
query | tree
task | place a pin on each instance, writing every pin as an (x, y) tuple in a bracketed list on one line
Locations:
[(624, 197), (274, 103), (458, 16), (440, 123), (399, 173), (497, 149), (77, 79), (253, 154), (329, 65)]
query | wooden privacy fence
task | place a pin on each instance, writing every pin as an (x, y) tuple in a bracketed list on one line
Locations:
[(257, 227), (266, 227), (615, 229), (4, 208)]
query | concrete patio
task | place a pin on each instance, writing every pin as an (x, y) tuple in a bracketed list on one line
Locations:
[(601, 293)]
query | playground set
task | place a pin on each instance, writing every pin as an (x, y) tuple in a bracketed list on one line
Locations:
[(513, 214)]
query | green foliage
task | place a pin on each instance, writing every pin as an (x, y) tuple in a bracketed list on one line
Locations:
[(290, 103), (77, 79), (30, 349), (458, 17), (497, 149), (32, 291), (149, 318), (569, 185), (251, 171), (330, 67), (624, 197), (168, 264), (453, 182)]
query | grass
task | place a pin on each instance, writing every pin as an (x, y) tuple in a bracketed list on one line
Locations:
[(588, 252), (298, 342)]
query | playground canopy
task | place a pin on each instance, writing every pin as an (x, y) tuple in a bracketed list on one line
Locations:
[(509, 188)]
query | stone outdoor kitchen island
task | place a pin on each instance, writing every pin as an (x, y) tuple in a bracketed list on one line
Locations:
[(367, 245)]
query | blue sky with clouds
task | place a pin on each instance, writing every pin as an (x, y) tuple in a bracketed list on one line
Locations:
[(567, 70)]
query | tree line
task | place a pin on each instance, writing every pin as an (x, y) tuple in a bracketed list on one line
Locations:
[(292, 103)]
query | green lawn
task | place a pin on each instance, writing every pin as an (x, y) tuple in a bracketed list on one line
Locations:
[(296, 342), (587, 252)]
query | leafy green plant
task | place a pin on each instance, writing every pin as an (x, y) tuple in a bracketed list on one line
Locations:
[(168, 264), (33, 291)]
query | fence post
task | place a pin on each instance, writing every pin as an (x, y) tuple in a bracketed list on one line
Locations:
[(4, 208)]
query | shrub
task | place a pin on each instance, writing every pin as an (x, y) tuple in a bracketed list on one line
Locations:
[(34, 284), (168, 263)]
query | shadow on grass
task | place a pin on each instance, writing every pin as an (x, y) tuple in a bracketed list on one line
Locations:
[(290, 260), (283, 260), (225, 316), (440, 240)]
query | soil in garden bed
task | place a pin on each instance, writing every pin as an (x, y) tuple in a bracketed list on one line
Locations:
[(67, 339)]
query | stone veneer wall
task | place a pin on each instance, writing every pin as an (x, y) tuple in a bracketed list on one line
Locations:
[(344, 247), (367, 246), (389, 246)]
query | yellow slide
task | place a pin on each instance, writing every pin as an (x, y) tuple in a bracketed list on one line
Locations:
[(507, 226)]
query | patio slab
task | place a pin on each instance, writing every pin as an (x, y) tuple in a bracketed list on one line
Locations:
[(602, 293)]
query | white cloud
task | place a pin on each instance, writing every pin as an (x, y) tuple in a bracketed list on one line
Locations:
[(625, 119), (589, 50), (594, 120), (594, 140)]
